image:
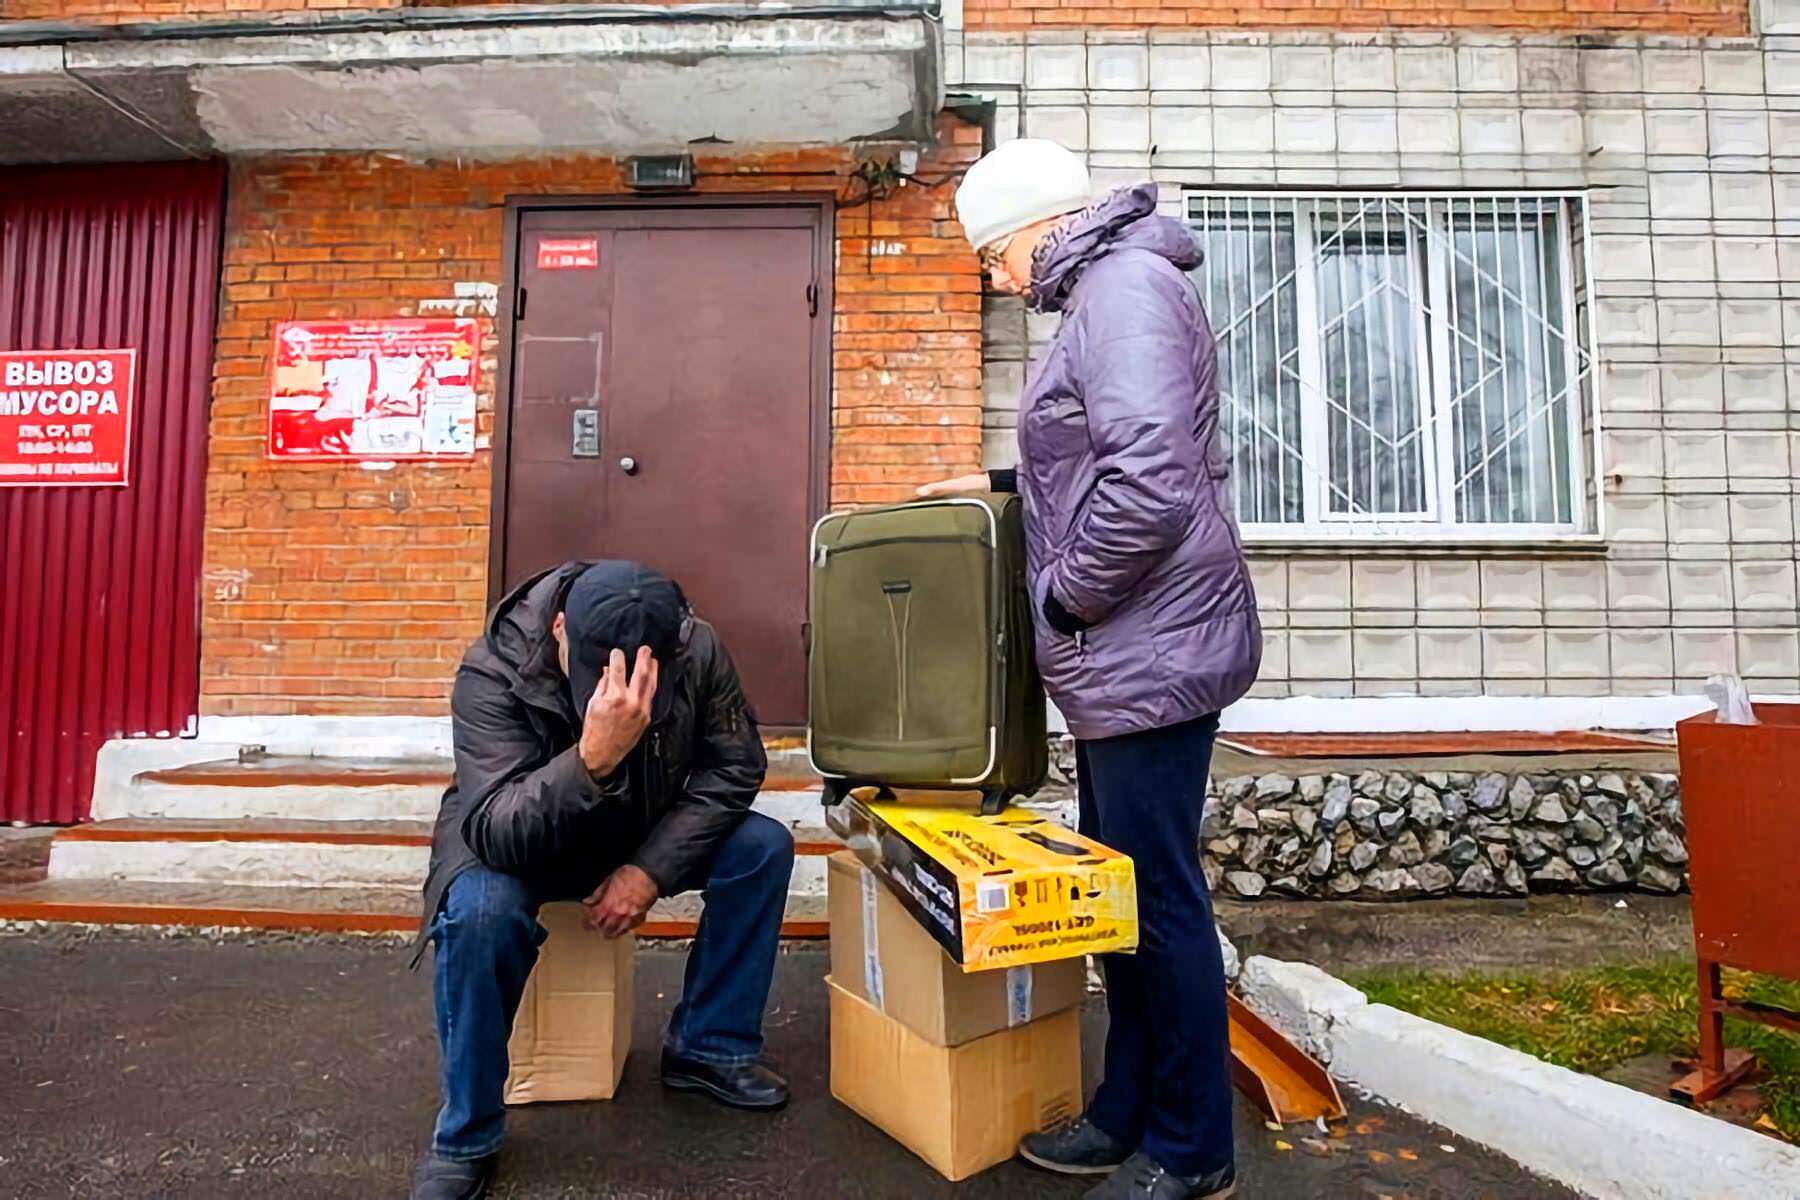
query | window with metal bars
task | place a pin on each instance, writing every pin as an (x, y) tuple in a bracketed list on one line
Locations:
[(1401, 364)]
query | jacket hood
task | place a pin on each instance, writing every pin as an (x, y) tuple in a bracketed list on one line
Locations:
[(519, 633), (1125, 219)]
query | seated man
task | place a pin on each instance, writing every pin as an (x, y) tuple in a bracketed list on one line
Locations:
[(604, 751)]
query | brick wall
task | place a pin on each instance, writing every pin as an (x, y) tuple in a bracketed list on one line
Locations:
[(344, 590), (123, 11), (1684, 17)]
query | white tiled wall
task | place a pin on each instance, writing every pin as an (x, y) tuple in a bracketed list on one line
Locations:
[(1690, 154)]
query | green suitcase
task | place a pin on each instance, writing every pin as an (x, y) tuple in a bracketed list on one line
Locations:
[(920, 667)]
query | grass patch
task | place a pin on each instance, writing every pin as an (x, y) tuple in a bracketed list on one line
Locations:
[(1591, 1020)]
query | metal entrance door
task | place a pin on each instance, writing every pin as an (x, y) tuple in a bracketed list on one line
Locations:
[(666, 401), (99, 603)]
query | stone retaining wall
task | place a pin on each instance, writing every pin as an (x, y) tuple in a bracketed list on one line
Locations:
[(1398, 834), (1390, 835)]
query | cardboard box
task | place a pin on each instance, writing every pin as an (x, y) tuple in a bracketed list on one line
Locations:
[(881, 955), (960, 1108), (1004, 890), (573, 1031)]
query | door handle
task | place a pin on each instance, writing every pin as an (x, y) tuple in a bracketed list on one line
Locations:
[(629, 465)]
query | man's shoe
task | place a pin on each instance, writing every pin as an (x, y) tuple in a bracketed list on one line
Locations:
[(1143, 1178), (439, 1178), (750, 1085), (1077, 1147)]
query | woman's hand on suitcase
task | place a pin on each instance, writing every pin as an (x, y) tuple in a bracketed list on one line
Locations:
[(962, 485), (618, 713), (621, 903)]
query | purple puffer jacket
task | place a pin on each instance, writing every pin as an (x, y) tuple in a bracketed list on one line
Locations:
[(1129, 521)]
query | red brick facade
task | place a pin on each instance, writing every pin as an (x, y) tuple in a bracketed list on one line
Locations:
[(355, 591), (124, 11), (1691, 18)]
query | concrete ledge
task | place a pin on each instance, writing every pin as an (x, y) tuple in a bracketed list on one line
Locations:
[(1300, 1000), (1598, 1137)]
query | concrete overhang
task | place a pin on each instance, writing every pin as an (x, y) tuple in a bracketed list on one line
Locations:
[(475, 83)]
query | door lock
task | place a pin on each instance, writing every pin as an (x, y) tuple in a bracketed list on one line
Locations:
[(629, 465)]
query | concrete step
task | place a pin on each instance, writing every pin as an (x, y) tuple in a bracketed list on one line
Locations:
[(257, 786), (261, 852), (286, 788), (322, 910), (325, 856)]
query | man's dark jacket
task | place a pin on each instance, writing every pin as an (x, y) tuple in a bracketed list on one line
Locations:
[(523, 802)]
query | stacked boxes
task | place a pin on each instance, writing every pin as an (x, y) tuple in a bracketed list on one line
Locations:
[(957, 1060)]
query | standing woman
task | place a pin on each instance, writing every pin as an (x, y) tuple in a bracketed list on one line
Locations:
[(1147, 627)]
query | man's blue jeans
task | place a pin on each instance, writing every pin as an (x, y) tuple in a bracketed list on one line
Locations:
[(487, 937)]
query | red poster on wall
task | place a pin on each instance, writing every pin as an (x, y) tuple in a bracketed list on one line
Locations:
[(65, 417), (401, 389)]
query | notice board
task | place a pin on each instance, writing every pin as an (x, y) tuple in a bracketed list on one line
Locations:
[(65, 417), (398, 389)]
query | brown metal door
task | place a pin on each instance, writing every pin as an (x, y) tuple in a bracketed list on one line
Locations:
[(99, 585), (665, 401)]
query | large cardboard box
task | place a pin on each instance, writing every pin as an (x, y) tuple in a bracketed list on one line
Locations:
[(881, 955), (960, 1108), (573, 1031), (1004, 890)]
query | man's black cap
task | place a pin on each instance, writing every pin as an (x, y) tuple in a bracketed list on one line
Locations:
[(616, 605)]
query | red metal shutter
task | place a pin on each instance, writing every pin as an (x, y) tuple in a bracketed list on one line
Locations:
[(99, 586)]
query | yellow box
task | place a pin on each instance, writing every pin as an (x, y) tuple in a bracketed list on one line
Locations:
[(1005, 890)]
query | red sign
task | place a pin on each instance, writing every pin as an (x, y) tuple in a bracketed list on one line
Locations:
[(568, 254), (65, 417), (374, 389)]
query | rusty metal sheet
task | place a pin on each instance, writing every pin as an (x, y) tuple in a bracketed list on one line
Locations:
[(99, 586)]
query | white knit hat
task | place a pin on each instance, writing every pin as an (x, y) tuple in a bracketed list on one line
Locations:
[(1020, 184)]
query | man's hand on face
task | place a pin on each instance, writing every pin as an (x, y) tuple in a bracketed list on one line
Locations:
[(618, 712), (620, 904)]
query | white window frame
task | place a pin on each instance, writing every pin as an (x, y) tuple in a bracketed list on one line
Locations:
[(1428, 270)]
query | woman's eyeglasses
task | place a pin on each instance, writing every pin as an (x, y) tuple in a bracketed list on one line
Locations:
[(993, 255)]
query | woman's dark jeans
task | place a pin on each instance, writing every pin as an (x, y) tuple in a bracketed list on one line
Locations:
[(1167, 1089)]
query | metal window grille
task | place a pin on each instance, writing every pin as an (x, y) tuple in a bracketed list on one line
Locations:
[(1401, 363)]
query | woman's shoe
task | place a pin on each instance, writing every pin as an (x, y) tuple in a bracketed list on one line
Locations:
[(1143, 1178), (1078, 1147)]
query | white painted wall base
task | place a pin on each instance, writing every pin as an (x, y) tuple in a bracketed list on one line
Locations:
[(1600, 1138)]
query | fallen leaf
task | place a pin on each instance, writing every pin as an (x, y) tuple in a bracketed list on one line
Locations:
[(1765, 1122), (1409, 1155), (1272, 1125), (1315, 1146), (1281, 1145), (1376, 1156)]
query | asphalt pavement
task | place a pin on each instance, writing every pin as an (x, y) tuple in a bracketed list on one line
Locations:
[(133, 1064)]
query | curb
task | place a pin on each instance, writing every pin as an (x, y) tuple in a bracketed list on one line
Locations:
[(1600, 1138)]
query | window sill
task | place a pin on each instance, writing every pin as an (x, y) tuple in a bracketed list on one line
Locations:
[(1586, 545)]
